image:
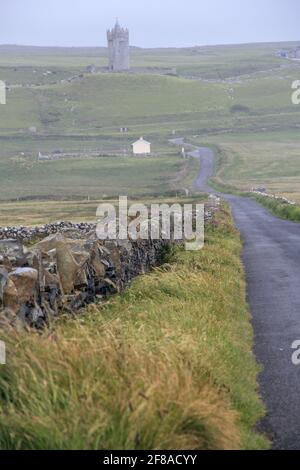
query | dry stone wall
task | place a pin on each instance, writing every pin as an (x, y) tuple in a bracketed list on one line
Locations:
[(67, 267), (27, 234), (64, 273)]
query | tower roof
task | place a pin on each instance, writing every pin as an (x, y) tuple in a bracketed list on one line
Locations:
[(117, 25), (118, 29)]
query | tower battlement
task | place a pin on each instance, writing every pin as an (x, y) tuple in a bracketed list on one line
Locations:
[(117, 31), (118, 48)]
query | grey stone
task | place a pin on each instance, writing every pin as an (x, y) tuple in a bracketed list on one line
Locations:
[(11, 248), (25, 282), (3, 282)]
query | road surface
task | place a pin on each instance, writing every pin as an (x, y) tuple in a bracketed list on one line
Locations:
[(271, 257)]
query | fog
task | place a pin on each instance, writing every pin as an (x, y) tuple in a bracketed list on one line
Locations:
[(152, 23)]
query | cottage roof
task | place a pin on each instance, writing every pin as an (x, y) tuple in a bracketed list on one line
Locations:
[(141, 139)]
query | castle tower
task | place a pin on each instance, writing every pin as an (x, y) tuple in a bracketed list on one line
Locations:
[(118, 48)]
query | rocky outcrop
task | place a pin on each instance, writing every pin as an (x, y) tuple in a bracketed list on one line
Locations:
[(60, 273)]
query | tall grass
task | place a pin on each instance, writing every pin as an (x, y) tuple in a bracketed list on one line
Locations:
[(279, 208), (167, 365), (276, 206)]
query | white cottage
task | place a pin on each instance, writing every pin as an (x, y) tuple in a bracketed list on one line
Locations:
[(141, 147)]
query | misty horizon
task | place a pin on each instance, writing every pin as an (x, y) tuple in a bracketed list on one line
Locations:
[(74, 23), (134, 46)]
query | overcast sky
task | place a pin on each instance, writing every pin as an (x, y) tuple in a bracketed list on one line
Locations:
[(152, 23)]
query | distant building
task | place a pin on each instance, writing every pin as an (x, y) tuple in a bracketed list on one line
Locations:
[(141, 147), (42, 157), (289, 53), (118, 48), (282, 53)]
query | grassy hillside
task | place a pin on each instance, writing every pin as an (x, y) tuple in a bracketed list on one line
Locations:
[(100, 104), (109, 101), (168, 365)]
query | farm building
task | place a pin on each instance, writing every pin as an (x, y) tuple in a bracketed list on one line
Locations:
[(141, 147)]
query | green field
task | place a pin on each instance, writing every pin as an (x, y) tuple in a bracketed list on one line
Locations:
[(93, 178), (275, 165), (270, 160), (235, 97)]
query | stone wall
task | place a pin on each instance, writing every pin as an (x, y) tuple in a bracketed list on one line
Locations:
[(67, 267), (64, 273), (262, 192), (28, 234)]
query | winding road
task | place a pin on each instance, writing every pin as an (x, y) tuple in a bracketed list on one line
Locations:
[(271, 257)]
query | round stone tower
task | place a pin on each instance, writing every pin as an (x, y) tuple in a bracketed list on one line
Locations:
[(118, 48)]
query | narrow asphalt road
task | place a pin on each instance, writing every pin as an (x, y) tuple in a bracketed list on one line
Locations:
[(271, 257)]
